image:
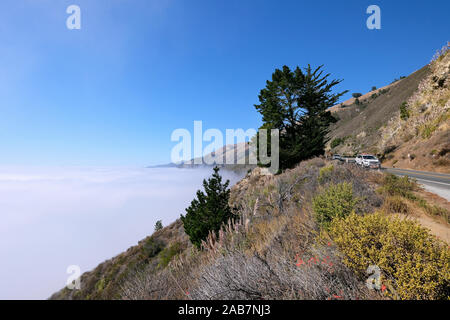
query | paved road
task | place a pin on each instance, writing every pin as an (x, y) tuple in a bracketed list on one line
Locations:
[(438, 183)]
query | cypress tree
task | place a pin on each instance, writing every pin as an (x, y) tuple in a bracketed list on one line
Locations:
[(296, 103)]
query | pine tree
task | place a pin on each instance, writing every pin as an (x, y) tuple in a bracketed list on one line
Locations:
[(296, 104), (158, 225), (209, 210)]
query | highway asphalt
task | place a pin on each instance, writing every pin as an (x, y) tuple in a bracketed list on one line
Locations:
[(438, 183)]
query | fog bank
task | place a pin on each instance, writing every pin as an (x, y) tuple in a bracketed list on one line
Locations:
[(55, 217)]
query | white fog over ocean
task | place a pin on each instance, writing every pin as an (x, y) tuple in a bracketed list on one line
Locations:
[(55, 217)]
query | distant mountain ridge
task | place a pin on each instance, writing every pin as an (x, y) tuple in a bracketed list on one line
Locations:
[(238, 153)]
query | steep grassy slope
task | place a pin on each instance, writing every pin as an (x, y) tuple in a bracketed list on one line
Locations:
[(406, 123), (419, 137), (359, 125), (152, 253)]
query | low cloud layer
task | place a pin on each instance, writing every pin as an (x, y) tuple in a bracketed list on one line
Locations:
[(55, 217)]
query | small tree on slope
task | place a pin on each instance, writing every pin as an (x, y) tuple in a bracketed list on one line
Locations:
[(209, 210)]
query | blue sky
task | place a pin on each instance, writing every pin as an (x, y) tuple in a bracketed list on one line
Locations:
[(113, 92)]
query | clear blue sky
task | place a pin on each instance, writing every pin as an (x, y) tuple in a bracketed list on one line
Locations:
[(113, 92)]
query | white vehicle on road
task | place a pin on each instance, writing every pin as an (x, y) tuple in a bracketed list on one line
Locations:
[(368, 161)]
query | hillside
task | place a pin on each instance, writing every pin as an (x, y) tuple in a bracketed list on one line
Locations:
[(358, 124), (406, 123), (276, 249)]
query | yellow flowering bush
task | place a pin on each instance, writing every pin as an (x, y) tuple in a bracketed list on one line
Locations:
[(335, 201), (325, 172), (412, 261)]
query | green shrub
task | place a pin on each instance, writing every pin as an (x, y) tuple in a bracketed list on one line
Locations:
[(412, 262), (100, 285), (398, 186), (325, 172), (335, 201), (356, 95), (152, 247), (404, 112), (337, 141), (168, 253)]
